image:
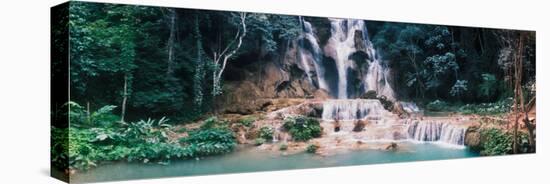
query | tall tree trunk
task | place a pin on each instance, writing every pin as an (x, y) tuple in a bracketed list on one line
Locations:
[(88, 116), (199, 75), (525, 111), (124, 98), (221, 58), (170, 45), (519, 102)]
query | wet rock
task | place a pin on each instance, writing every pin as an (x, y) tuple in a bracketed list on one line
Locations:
[(472, 138), (336, 126), (321, 94), (398, 109), (392, 146), (359, 125)]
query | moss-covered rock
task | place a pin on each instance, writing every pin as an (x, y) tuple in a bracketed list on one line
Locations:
[(472, 138)]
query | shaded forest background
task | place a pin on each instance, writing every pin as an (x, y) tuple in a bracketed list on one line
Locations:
[(155, 62)]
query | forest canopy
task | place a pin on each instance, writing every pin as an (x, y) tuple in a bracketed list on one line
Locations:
[(159, 62)]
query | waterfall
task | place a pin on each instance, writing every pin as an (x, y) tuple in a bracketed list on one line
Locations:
[(436, 132), (356, 109), (348, 38), (340, 46), (311, 56)]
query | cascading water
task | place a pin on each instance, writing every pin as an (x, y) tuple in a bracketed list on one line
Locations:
[(410, 107), (348, 66), (353, 109), (428, 131), (348, 37), (311, 56)]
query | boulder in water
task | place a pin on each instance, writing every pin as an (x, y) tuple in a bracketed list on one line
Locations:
[(392, 146), (472, 138), (359, 125), (336, 126)]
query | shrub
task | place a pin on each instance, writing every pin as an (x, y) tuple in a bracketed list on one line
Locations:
[(495, 142), (489, 85), (210, 123), (259, 141), (138, 141), (60, 147), (499, 107), (437, 105), (312, 148), (82, 153), (210, 141), (302, 128), (181, 130), (283, 147), (247, 121), (102, 117), (266, 133)]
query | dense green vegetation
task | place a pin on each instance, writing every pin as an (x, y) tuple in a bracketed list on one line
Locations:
[(302, 128), (466, 65), (494, 108), (158, 62), (312, 148), (500, 142), (266, 132), (209, 141), (99, 136)]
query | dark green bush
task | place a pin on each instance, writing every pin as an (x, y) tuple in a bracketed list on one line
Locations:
[(210, 141), (302, 128), (496, 142), (499, 107), (266, 133), (143, 141), (312, 148), (106, 139), (259, 141), (247, 121), (210, 123), (283, 147), (437, 105), (60, 147)]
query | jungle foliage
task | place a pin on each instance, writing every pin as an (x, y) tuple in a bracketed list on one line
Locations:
[(302, 128), (99, 136)]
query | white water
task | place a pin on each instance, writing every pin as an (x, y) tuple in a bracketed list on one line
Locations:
[(432, 131), (342, 44), (311, 57), (356, 109), (410, 107), (383, 126)]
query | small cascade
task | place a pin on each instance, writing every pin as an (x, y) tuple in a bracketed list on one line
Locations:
[(356, 109), (432, 131), (410, 107)]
